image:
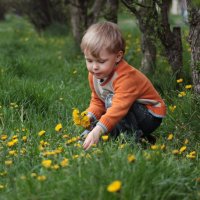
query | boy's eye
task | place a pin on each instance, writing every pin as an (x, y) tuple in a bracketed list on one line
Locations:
[(88, 60), (101, 61)]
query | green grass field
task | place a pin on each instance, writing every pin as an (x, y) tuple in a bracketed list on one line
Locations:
[(42, 78)]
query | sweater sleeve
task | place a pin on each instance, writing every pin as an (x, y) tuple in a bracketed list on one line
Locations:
[(96, 107)]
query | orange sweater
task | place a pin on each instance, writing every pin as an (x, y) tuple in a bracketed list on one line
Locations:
[(128, 85)]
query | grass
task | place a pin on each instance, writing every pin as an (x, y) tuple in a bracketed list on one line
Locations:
[(42, 77)]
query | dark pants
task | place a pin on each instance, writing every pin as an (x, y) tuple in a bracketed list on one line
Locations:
[(138, 119)]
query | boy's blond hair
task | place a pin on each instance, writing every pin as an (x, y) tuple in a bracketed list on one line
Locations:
[(102, 35)]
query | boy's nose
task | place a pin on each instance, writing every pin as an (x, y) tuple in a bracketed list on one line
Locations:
[(95, 66)]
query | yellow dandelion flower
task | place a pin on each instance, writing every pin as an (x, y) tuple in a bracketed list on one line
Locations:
[(147, 156), (4, 137), (58, 127), (154, 147), (24, 138), (191, 156), (12, 143), (172, 108), (115, 186), (105, 138), (162, 147), (8, 162), (186, 141), (170, 136), (179, 80), (121, 146), (2, 186), (41, 133), (12, 153), (65, 136), (55, 167), (175, 151), (75, 156), (182, 149), (46, 163), (80, 119), (188, 86), (41, 178), (64, 162), (131, 158), (182, 94), (33, 175)]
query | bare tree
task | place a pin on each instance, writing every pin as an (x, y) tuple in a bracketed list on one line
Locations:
[(194, 40)]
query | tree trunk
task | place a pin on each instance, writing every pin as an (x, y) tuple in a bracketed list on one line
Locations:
[(78, 11), (82, 16), (112, 10), (170, 40), (145, 16), (148, 63), (194, 40)]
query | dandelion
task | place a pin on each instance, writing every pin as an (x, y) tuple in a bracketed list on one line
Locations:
[(131, 158), (105, 138), (81, 119), (2, 186), (58, 127), (24, 138), (170, 136), (41, 133), (41, 178), (4, 137), (55, 167), (154, 147), (46, 163), (175, 151), (115, 186), (12, 143), (33, 175), (186, 141), (188, 86), (8, 162), (172, 108), (182, 94), (13, 153), (182, 149), (179, 80), (121, 146), (64, 162), (191, 155), (75, 156), (162, 147)]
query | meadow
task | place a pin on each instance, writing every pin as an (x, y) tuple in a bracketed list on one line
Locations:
[(42, 78)]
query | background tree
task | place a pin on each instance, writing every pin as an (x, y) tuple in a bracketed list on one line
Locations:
[(111, 10), (42, 13), (171, 39), (83, 14), (145, 15), (194, 40)]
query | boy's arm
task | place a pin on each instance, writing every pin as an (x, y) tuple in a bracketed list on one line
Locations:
[(97, 106), (93, 137)]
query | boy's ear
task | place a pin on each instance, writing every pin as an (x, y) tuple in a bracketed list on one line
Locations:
[(119, 56)]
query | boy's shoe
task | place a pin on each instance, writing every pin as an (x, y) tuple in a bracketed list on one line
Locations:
[(139, 135), (151, 139)]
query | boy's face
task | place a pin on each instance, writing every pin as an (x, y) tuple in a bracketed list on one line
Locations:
[(103, 66)]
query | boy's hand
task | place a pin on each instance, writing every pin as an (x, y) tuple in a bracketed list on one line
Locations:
[(93, 137)]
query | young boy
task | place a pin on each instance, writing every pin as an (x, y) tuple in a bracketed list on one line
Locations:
[(123, 99)]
